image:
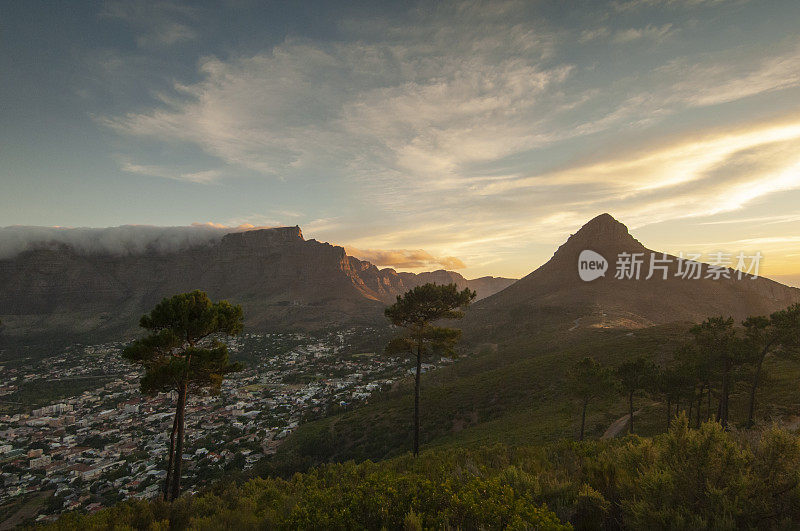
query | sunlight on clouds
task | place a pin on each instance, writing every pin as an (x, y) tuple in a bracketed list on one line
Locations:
[(443, 123), (658, 167), (405, 258)]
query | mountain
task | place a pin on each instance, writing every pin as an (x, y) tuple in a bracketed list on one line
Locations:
[(520, 343), (282, 280), (556, 292)]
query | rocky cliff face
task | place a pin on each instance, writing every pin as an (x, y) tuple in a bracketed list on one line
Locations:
[(282, 280)]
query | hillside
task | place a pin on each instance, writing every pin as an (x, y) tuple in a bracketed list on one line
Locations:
[(282, 280), (516, 395), (555, 294)]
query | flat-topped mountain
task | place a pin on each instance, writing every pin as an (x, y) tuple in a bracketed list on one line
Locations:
[(282, 280), (677, 290)]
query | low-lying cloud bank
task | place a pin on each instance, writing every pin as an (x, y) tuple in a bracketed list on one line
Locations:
[(122, 240), (136, 239)]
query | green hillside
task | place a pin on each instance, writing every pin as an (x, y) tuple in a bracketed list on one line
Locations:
[(518, 395), (511, 394)]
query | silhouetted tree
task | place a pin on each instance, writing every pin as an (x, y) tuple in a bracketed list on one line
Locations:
[(674, 383), (699, 370), (716, 343), (415, 311), (765, 335), (588, 380), (636, 375), (183, 354)]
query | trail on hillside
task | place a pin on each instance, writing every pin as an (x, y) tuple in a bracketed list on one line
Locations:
[(574, 326), (617, 426)]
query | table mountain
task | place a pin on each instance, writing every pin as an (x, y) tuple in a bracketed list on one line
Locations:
[(282, 280)]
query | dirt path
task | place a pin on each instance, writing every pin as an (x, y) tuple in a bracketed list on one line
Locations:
[(618, 426), (574, 326)]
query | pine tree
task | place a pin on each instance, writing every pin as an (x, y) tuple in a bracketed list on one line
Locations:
[(587, 381), (633, 376), (415, 311), (183, 353)]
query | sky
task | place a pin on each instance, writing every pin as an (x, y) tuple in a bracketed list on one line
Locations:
[(469, 135)]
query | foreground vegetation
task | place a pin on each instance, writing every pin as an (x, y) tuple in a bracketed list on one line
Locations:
[(686, 478)]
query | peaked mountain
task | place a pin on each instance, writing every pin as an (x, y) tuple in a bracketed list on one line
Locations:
[(282, 280), (556, 292)]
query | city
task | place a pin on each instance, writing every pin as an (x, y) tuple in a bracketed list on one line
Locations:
[(107, 444)]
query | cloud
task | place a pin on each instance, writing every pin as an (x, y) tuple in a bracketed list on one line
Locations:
[(649, 32), (711, 83), (199, 176), (705, 175), (122, 240), (465, 128), (594, 34), (158, 24), (405, 259), (433, 96), (428, 101), (630, 5)]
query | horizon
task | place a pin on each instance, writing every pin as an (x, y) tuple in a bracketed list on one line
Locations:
[(167, 239), (473, 135)]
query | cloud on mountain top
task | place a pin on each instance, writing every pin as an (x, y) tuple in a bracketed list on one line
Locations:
[(122, 240)]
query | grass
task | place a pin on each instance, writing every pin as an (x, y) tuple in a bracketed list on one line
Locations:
[(512, 394)]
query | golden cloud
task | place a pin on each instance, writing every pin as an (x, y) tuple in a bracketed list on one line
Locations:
[(405, 258)]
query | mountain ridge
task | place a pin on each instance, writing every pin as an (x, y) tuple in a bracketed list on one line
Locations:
[(282, 280)]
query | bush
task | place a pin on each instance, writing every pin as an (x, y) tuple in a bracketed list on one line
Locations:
[(705, 478)]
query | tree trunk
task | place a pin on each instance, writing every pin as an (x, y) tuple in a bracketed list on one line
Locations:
[(170, 462), (753, 387), (630, 412), (176, 475), (583, 418), (700, 405), (691, 407), (726, 391), (669, 412), (416, 397)]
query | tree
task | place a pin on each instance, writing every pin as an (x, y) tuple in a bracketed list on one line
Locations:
[(674, 383), (183, 353), (699, 369), (633, 376), (763, 336), (715, 339), (415, 311), (588, 380)]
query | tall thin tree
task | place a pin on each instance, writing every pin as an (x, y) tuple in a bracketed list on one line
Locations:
[(587, 381), (780, 332), (415, 312), (635, 375), (715, 339), (182, 353)]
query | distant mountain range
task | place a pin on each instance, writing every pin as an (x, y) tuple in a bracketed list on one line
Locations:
[(556, 292), (286, 282), (282, 280)]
